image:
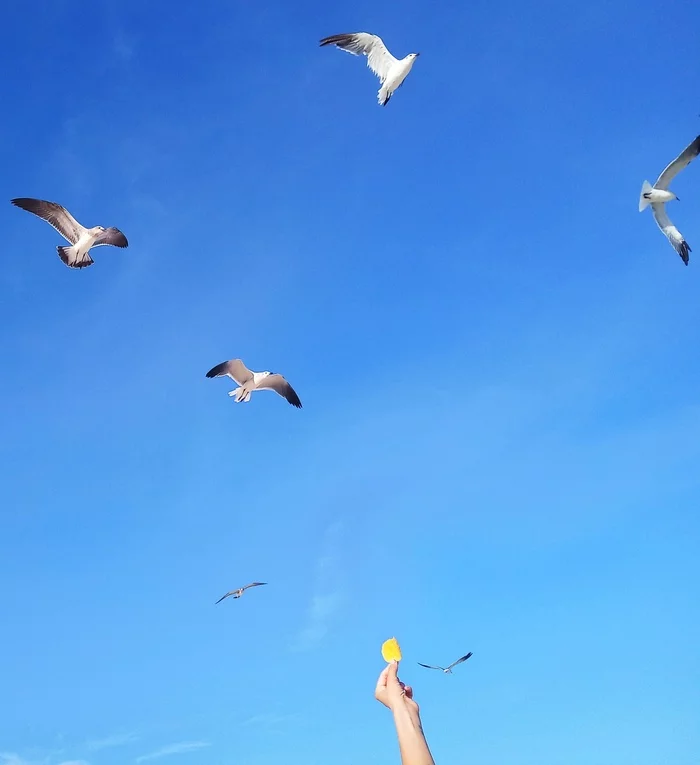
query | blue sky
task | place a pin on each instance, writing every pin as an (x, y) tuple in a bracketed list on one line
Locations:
[(496, 353)]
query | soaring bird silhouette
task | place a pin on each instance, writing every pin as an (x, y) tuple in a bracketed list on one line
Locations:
[(658, 194), (447, 670), (250, 381), (81, 239), (237, 593)]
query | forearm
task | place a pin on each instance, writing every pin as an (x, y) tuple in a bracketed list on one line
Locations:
[(412, 744)]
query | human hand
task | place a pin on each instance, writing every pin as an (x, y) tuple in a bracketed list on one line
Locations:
[(391, 692)]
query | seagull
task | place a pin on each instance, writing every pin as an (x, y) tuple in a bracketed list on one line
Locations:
[(658, 194), (391, 71), (237, 593), (250, 381), (447, 670), (82, 239)]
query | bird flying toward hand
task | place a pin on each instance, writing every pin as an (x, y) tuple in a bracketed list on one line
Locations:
[(81, 239), (658, 194), (391, 71), (447, 670), (249, 381), (237, 593)]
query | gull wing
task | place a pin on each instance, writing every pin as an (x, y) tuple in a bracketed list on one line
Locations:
[(54, 214), (227, 595), (679, 163), (430, 666), (278, 384), (459, 661), (379, 60), (111, 236), (253, 584), (672, 233), (235, 369)]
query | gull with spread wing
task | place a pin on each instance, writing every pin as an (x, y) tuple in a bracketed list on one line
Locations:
[(447, 670), (249, 381), (81, 239), (237, 593), (658, 194), (391, 71)]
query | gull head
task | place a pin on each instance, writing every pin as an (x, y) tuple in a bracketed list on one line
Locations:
[(413, 56)]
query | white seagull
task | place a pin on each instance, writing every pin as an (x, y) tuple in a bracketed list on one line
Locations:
[(658, 194), (447, 670), (237, 593), (391, 71), (82, 239), (250, 381)]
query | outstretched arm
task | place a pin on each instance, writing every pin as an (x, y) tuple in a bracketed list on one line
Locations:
[(399, 699)]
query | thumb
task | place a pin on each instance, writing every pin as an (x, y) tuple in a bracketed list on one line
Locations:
[(393, 670)]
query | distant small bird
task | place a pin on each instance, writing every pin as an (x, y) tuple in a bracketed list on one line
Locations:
[(237, 593), (82, 239), (391, 71), (250, 381), (658, 194), (448, 670)]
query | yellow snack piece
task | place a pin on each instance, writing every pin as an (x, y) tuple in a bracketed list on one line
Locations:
[(391, 650)]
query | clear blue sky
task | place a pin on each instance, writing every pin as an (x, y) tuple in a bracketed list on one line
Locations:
[(497, 356)]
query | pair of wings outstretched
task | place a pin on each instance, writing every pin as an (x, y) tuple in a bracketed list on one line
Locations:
[(673, 235), (67, 226), (454, 663), (240, 590), (379, 60), (239, 373)]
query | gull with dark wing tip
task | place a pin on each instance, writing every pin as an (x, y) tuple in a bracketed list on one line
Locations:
[(237, 593), (447, 670), (391, 71), (249, 381), (658, 194), (81, 239)]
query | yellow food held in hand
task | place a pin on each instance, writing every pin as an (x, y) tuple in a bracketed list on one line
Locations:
[(391, 650)]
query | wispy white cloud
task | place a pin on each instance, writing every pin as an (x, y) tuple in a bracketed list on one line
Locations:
[(327, 597), (109, 742), (270, 720), (179, 748), (10, 758)]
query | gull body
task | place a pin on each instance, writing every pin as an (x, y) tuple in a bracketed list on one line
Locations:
[(249, 381), (659, 194), (390, 70), (81, 239)]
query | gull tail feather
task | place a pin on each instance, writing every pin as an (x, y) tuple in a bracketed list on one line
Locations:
[(239, 395), (69, 255), (644, 203), (383, 96)]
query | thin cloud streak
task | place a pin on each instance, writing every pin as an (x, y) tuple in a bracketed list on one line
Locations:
[(268, 720), (109, 742), (179, 748), (327, 597)]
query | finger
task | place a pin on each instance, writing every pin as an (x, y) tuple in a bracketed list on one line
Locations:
[(408, 691)]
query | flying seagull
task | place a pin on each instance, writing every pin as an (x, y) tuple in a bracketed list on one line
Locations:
[(82, 239), (237, 593), (447, 670), (250, 381), (391, 71), (658, 194)]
